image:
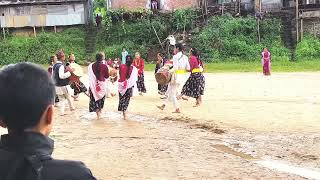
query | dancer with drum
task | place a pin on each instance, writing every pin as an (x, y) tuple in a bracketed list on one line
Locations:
[(161, 61), (179, 75), (98, 73), (75, 82), (127, 80), (194, 87), (61, 76), (139, 64)]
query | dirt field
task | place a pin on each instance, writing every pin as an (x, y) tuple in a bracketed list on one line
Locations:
[(246, 123)]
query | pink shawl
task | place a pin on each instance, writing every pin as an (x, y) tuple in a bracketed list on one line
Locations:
[(129, 83), (93, 83)]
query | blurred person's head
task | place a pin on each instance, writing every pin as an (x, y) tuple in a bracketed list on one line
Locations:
[(178, 48), (137, 55), (61, 56), (27, 96), (53, 60), (72, 58)]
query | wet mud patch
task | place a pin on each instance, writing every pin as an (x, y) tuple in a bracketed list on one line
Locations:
[(196, 124)]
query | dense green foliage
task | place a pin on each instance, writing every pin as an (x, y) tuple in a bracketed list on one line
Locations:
[(308, 48), (136, 29), (229, 38), (19, 48), (223, 39)]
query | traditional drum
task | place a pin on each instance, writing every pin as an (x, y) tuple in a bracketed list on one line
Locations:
[(163, 76), (77, 73)]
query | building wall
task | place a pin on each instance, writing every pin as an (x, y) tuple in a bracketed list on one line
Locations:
[(42, 15), (165, 4), (312, 26)]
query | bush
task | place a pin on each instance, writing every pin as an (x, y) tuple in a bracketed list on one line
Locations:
[(229, 38), (308, 48), (38, 50)]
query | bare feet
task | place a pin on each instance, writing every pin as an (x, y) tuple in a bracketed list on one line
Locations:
[(124, 116), (161, 107), (177, 111), (185, 98)]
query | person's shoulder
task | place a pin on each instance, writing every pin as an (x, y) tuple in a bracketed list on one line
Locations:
[(67, 170)]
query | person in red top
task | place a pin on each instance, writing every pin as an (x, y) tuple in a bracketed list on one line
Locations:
[(139, 64), (194, 87), (98, 73), (128, 79)]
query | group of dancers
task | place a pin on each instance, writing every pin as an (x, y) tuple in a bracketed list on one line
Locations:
[(128, 75)]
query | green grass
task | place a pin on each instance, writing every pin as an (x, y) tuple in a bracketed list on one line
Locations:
[(280, 66)]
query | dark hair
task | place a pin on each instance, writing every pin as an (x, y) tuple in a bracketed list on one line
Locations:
[(60, 54), (25, 92), (161, 55), (179, 46), (51, 59), (195, 53), (129, 61), (99, 59)]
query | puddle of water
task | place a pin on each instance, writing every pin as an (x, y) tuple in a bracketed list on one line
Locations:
[(285, 167), (231, 151), (272, 164), (111, 116)]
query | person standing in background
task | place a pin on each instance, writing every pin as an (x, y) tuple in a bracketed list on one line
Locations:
[(266, 62), (53, 60), (124, 55), (139, 64)]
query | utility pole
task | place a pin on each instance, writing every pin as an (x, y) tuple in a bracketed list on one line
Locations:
[(297, 19), (260, 15)]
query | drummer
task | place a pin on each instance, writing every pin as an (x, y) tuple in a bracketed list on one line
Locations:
[(161, 61), (76, 84), (179, 76)]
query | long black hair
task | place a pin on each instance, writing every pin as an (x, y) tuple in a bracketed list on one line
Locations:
[(129, 61), (99, 58), (195, 53)]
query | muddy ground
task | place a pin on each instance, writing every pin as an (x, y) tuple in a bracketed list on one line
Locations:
[(245, 119)]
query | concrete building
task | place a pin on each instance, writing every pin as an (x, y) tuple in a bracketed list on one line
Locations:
[(167, 5), (44, 13)]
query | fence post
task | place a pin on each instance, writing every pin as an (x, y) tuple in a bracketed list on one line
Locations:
[(4, 33), (34, 31)]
